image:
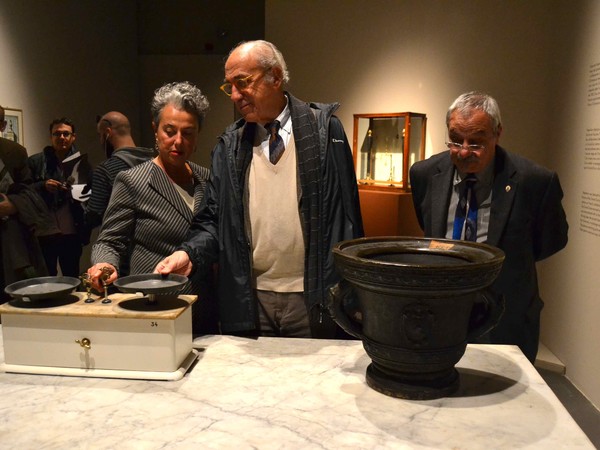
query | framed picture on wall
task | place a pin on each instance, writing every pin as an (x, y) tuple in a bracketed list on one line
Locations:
[(14, 125)]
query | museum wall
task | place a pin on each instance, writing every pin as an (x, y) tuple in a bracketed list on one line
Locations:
[(172, 50), (390, 56), (71, 58), (393, 56), (570, 280)]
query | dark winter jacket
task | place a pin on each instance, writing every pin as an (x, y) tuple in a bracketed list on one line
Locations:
[(328, 204)]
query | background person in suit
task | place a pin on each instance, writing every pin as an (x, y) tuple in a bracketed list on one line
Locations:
[(518, 209), (23, 217), (55, 169), (152, 204)]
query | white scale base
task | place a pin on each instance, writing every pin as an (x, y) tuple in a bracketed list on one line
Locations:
[(99, 340), (104, 373)]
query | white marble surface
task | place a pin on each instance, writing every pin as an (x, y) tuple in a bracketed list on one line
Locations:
[(287, 393)]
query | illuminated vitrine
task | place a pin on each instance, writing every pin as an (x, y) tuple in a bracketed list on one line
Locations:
[(386, 145)]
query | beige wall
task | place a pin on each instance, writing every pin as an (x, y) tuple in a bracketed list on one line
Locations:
[(69, 58), (570, 280), (390, 56)]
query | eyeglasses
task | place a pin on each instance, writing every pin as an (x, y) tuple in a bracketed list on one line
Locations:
[(241, 84), (471, 147), (65, 134)]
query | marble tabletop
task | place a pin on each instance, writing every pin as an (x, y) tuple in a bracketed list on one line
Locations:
[(275, 393)]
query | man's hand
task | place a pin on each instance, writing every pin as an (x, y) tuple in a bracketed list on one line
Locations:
[(179, 262), (53, 186), (7, 208)]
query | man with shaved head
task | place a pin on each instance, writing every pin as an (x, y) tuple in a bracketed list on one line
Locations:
[(121, 153)]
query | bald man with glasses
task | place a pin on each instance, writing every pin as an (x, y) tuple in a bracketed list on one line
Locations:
[(282, 193)]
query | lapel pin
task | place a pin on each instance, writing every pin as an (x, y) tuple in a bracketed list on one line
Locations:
[(507, 188)]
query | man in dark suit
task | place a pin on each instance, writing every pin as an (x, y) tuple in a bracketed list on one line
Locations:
[(23, 216), (479, 191)]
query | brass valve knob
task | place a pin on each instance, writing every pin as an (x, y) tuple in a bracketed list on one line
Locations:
[(85, 343), (106, 273)]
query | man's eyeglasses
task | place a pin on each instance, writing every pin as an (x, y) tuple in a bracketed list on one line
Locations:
[(241, 84), (471, 147), (65, 134)]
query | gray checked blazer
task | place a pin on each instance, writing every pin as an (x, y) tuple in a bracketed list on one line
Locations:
[(146, 220)]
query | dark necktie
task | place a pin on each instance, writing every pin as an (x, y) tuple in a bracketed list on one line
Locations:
[(466, 211), (276, 146)]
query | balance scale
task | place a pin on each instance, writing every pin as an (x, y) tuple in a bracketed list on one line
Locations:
[(119, 336)]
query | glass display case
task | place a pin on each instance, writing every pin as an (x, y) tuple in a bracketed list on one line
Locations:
[(386, 145)]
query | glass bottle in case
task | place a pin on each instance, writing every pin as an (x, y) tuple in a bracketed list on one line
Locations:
[(386, 145)]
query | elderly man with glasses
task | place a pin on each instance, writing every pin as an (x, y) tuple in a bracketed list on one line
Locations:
[(55, 170), (478, 191), (282, 192)]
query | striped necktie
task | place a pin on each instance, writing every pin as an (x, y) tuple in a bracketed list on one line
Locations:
[(276, 146), (466, 211)]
